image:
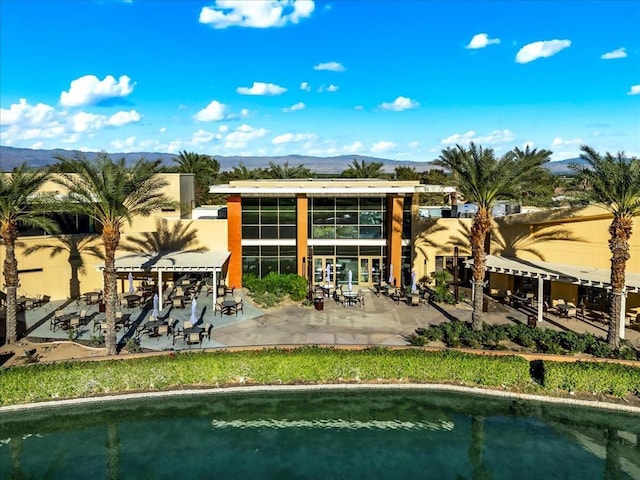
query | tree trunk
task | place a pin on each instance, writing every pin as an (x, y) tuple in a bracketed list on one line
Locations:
[(111, 239), (619, 233), (9, 234), (481, 226)]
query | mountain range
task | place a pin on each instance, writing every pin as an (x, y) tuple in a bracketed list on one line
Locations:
[(11, 157)]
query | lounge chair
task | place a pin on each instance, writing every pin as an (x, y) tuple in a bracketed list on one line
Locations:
[(218, 306), (207, 330), (239, 305)]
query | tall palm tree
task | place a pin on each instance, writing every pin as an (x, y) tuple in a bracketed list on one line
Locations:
[(483, 179), (112, 193), (204, 167), (363, 169), (20, 205), (241, 172), (614, 183)]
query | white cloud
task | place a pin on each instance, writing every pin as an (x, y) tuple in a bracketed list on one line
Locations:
[(399, 104), (481, 40), (358, 107), (22, 112), (293, 138), (124, 145), (558, 141), (541, 49), (89, 90), (330, 88), (261, 88), (355, 147), (239, 138), (414, 144), (83, 121), (305, 86), (163, 129), (495, 137), (618, 53), (223, 128), (122, 118), (212, 113), (382, 146), (294, 107), (202, 136), (256, 14), (634, 90), (331, 66)]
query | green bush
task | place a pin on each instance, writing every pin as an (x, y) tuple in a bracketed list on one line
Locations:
[(591, 377), (274, 288)]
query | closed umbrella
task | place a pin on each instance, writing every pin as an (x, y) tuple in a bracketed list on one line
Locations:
[(349, 277), (131, 289), (391, 274), (156, 301), (328, 274), (413, 281), (194, 306)]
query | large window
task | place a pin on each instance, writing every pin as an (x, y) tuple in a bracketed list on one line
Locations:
[(268, 218), (346, 218), (261, 260), (68, 223)]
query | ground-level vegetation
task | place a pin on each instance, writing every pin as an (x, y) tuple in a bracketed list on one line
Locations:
[(314, 365)]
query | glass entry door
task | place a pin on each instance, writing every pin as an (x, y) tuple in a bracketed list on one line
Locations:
[(370, 270), (322, 266)]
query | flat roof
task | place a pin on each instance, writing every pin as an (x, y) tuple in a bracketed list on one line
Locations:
[(324, 186)]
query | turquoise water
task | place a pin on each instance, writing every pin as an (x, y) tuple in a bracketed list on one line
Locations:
[(323, 435)]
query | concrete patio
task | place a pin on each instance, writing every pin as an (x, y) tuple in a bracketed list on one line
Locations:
[(381, 321)]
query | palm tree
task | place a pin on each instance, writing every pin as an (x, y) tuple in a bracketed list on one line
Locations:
[(285, 171), (483, 179), (363, 169), (204, 167), (20, 205), (111, 193), (241, 172), (614, 183)]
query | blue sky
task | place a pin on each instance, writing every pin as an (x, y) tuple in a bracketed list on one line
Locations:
[(390, 79)]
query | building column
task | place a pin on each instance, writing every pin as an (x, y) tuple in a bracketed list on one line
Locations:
[(623, 310), (302, 232), (395, 204), (540, 298), (234, 239), (160, 299)]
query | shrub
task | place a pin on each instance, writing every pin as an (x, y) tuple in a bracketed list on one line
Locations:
[(274, 287), (133, 345), (591, 377), (96, 340)]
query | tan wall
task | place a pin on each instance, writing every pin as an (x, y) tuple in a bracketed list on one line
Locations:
[(53, 262), (439, 237)]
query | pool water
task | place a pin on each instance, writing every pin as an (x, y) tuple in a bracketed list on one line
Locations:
[(320, 435)]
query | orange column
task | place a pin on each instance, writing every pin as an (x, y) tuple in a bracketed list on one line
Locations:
[(395, 205), (234, 239), (302, 229)]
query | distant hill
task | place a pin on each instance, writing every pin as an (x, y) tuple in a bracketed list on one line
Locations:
[(11, 157)]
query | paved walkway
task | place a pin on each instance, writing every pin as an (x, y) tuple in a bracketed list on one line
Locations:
[(381, 321)]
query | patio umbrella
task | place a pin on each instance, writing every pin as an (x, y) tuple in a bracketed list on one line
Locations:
[(328, 274), (349, 277), (413, 281), (194, 306), (131, 289), (156, 302), (391, 274)]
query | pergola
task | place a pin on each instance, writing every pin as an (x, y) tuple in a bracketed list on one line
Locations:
[(560, 272), (211, 261)]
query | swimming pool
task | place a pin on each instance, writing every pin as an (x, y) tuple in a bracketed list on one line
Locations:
[(320, 434)]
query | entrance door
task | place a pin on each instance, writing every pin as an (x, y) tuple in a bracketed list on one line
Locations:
[(370, 270), (320, 265)]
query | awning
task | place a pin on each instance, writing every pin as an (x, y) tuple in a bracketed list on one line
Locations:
[(562, 272), (207, 261)]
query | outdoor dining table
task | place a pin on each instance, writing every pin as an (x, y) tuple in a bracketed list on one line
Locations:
[(563, 309), (228, 306), (154, 324), (133, 300), (350, 297), (63, 320)]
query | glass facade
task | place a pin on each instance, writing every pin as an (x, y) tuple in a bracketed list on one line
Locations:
[(269, 218), (264, 259), (347, 218)]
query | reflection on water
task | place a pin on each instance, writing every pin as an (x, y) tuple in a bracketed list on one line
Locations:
[(363, 434)]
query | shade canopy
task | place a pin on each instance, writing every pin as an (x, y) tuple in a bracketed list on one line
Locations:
[(207, 261)]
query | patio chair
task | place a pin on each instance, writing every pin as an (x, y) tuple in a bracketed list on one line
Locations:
[(56, 320), (163, 330), (187, 324), (29, 304), (415, 299), (239, 305), (83, 317), (218, 306), (193, 339), (207, 330), (74, 323), (45, 299), (177, 303), (359, 300), (178, 335), (171, 323)]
